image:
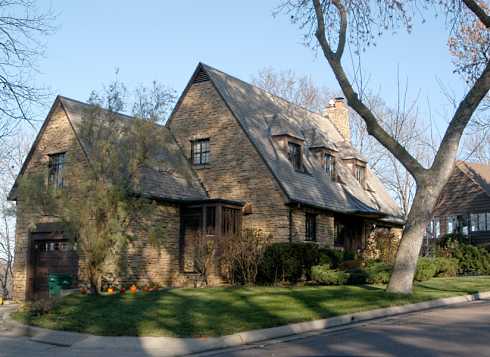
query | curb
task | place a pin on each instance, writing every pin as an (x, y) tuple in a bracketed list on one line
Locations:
[(171, 346)]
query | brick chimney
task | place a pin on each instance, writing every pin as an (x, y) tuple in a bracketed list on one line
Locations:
[(338, 114)]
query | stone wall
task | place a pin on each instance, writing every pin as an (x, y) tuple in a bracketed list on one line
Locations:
[(236, 171)]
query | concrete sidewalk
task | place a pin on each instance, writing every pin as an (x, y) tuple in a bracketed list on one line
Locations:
[(169, 346)]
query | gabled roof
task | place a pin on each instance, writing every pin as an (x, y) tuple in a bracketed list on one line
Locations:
[(167, 176), (477, 172), (260, 113)]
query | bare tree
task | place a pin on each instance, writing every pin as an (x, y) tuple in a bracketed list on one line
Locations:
[(22, 29), (298, 89), (331, 24), (402, 122), (14, 150)]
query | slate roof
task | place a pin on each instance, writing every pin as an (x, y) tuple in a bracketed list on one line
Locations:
[(262, 114), (167, 175), (479, 173)]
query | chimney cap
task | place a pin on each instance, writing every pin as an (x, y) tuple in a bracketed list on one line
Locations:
[(339, 99)]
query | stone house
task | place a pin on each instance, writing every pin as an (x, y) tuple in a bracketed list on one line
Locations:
[(464, 204), (236, 157)]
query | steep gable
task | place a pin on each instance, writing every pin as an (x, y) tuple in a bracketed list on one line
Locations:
[(461, 195), (260, 113), (169, 177)]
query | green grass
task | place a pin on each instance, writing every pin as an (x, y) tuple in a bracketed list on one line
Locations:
[(222, 311)]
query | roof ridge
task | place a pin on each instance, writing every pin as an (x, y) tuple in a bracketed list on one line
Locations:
[(278, 97), (465, 170)]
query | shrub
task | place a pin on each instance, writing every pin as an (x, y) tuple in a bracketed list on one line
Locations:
[(350, 264), (41, 306), (242, 255), (322, 274), (287, 262), (357, 276), (378, 272), (446, 267), (471, 259), (426, 269), (334, 257)]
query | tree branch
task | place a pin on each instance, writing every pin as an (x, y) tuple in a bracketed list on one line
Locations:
[(461, 117), (478, 11), (372, 124)]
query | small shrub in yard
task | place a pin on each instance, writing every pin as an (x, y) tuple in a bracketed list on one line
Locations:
[(378, 272), (41, 306), (334, 257), (287, 262), (426, 269), (472, 260), (322, 274), (357, 276), (446, 267)]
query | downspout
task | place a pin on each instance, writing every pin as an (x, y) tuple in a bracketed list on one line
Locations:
[(290, 221)]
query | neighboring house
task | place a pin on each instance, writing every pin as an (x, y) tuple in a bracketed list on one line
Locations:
[(464, 204), (236, 157)]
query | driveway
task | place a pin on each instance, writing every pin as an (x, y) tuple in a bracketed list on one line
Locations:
[(462, 330)]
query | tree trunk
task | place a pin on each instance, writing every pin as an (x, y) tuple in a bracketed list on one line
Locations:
[(401, 280)]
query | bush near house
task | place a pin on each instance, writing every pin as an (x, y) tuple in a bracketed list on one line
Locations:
[(471, 260), (426, 269), (324, 275), (287, 262)]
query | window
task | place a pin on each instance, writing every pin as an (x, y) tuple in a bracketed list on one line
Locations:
[(359, 173), (473, 222), (452, 224), (310, 229), (231, 223), (200, 151), (481, 222), (330, 165), (55, 170), (210, 220), (437, 228), (294, 155)]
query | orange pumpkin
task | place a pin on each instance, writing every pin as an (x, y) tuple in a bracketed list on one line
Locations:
[(133, 289), (110, 291), (83, 291)]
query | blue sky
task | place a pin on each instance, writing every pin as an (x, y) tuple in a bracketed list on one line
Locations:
[(164, 40)]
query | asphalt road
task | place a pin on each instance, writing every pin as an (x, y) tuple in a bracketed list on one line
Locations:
[(462, 330)]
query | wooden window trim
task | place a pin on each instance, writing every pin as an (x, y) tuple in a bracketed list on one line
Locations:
[(295, 155), (56, 164), (202, 155), (310, 227)]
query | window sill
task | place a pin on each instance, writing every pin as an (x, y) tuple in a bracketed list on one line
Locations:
[(201, 166)]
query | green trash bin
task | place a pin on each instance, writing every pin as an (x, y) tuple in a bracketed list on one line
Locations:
[(56, 282)]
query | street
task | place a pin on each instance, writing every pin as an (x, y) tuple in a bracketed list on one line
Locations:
[(462, 330)]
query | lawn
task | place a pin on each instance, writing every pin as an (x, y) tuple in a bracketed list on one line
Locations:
[(222, 311)]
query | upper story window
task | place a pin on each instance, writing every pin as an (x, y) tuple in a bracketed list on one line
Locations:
[(310, 228), (200, 151), (329, 165), (55, 170), (294, 155), (359, 173)]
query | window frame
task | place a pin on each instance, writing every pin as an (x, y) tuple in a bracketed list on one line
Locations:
[(360, 173), (310, 227), (329, 164), (295, 156), (200, 148), (56, 169)]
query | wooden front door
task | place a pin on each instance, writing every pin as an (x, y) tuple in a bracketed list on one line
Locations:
[(51, 255)]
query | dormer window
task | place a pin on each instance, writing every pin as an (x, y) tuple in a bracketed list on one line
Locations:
[(55, 170), (359, 173), (200, 151), (294, 155), (329, 165)]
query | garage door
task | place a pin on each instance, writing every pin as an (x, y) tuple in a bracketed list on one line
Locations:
[(51, 256)]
